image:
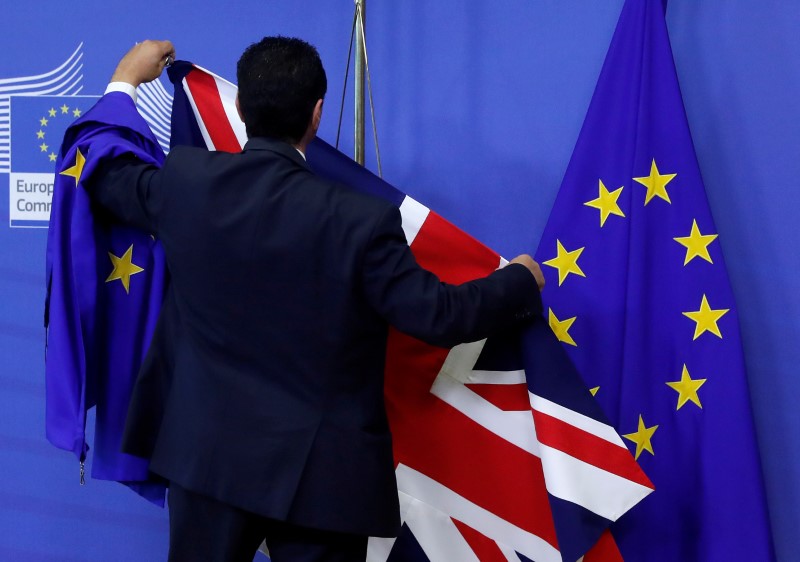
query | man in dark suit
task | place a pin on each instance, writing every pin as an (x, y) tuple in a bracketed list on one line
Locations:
[(284, 286)]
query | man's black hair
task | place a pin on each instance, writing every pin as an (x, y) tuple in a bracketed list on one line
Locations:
[(280, 80)]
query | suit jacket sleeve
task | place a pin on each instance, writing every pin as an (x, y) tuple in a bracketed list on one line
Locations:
[(130, 189), (416, 302)]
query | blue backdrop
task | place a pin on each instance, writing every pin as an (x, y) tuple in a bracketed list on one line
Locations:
[(478, 107)]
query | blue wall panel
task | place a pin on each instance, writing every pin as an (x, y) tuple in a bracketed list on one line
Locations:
[(478, 107)]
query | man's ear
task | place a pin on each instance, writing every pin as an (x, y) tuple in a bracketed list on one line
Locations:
[(238, 109), (316, 117)]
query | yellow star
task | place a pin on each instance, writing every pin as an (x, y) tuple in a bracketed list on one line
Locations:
[(656, 184), (123, 268), (561, 327), (52, 112), (594, 390), (76, 170), (76, 112), (43, 122), (566, 262), (43, 147), (642, 438), (687, 388), (39, 134), (606, 203), (706, 319), (696, 244), (64, 109), (52, 156)]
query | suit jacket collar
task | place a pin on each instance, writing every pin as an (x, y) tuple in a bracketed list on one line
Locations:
[(277, 146)]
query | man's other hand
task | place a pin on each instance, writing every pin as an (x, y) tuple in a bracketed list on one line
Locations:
[(144, 62), (533, 267)]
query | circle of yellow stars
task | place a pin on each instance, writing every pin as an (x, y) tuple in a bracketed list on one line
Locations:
[(52, 113), (696, 243)]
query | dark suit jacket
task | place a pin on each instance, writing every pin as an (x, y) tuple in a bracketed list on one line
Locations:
[(283, 288)]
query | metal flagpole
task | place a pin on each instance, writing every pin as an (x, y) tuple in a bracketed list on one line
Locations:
[(358, 155), (361, 69)]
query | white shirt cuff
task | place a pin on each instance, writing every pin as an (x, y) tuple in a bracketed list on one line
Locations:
[(123, 87)]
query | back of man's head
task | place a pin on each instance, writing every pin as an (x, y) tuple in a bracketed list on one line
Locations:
[(280, 80)]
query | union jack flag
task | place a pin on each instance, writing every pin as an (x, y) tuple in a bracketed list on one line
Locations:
[(501, 453)]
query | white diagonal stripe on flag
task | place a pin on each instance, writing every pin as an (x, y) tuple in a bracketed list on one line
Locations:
[(584, 484), (585, 423), (443, 499), (514, 427), (414, 215), (436, 533)]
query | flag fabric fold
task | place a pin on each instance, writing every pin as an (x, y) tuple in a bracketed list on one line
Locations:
[(639, 296)]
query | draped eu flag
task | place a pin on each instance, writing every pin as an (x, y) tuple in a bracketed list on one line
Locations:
[(105, 284), (638, 293)]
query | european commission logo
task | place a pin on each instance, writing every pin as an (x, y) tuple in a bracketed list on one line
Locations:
[(35, 111), (37, 124)]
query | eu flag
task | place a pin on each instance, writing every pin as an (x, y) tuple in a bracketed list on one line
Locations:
[(639, 295), (105, 284)]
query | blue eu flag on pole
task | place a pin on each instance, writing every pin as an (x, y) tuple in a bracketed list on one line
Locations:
[(639, 295)]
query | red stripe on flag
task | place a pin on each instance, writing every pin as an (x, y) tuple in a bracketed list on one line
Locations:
[(507, 397), (450, 253), (437, 440), (484, 548), (582, 445), (206, 97), (604, 550)]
